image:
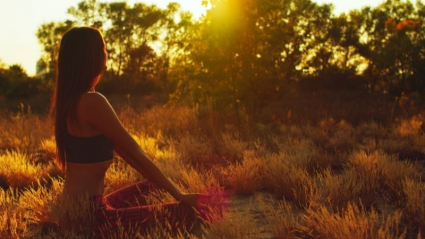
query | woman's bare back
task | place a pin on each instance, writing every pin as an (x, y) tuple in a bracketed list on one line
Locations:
[(84, 178)]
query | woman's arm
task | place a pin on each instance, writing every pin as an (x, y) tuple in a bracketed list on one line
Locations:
[(97, 111), (147, 174)]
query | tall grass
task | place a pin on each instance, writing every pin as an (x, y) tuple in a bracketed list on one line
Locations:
[(353, 222), (415, 202), (279, 217), (246, 177), (290, 181), (17, 171), (330, 179), (237, 224), (12, 221), (119, 175)]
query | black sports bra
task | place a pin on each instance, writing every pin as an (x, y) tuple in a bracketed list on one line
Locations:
[(88, 149)]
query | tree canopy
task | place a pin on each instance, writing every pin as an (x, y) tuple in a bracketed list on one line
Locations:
[(246, 53)]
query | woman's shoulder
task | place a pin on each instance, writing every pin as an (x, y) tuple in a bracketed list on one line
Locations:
[(93, 98), (93, 102)]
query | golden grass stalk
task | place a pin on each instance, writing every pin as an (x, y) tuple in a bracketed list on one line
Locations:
[(48, 150), (196, 150), (246, 177), (170, 120), (171, 164), (370, 130), (12, 223), (236, 225), (194, 181), (23, 131), (233, 146), (17, 171), (377, 172), (38, 203), (337, 189), (62, 234), (415, 201), (279, 218), (353, 222), (305, 154), (409, 128), (343, 138), (148, 144), (289, 181), (133, 231), (367, 168), (119, 175)]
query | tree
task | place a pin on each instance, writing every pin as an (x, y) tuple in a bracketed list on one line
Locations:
[(390, 42), (49, 36), (132, 28), (89, 13), (249, 52)]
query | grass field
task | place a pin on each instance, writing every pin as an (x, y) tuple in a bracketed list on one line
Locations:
[(287, 178)]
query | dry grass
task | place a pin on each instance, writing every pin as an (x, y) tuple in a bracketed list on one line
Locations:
[(338, 190), (12, 223), (379, 172), (232, 146), (196, 149), (236, 224), (415, 202), (119, 175), (354, 222), (368, 178), (343, 138), (289, 181), (17, 171), (279, 217), (24, 131), (246, 177), (337, 180), (410, 128), (47, 151), (148, 144)]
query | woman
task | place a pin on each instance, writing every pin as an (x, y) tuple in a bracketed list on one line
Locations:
[(87, 132)]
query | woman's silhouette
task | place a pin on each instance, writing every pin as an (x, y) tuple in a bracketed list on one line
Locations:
[(87, 132)]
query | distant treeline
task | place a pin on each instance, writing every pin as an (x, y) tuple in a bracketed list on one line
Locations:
[(243, 53)]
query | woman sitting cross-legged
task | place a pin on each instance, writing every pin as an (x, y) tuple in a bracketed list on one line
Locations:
[(87, 133)]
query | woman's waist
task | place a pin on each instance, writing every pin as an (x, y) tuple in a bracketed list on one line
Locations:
[(84, 186)]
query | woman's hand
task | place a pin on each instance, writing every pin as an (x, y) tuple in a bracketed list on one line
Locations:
[(190, 199)]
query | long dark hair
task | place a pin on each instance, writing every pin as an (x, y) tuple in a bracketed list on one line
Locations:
[(81, 60)]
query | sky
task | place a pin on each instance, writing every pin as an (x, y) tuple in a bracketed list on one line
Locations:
[(20, 19)]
